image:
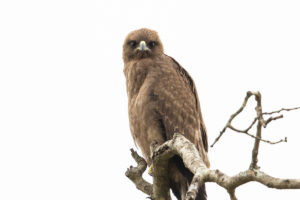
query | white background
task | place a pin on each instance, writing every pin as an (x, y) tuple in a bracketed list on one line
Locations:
[(64, 130)]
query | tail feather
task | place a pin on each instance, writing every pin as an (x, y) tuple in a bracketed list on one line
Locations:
[(180, 179)]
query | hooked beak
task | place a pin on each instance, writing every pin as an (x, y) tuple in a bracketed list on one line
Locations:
[(143, 46)]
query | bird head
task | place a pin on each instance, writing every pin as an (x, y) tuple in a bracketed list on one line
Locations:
[(140, 44)]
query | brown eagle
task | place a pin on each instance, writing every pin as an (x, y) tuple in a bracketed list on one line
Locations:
[(162, 100)]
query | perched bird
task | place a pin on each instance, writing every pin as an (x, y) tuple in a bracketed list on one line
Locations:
[(162, 100)]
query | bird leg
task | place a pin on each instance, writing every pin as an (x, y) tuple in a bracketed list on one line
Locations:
[(150, 170)]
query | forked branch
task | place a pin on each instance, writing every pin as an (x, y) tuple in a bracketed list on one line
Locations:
[(258, 119), (135, 174), (182, 147)]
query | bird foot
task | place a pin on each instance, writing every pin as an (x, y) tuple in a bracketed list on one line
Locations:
[(150, 170)]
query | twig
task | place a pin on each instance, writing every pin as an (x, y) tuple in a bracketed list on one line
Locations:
[(259, 118), (253, 136), (278, 111), (272, 119), (249, 94), (251, 125)]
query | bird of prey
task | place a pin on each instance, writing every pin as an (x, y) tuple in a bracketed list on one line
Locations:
[(162, 100)]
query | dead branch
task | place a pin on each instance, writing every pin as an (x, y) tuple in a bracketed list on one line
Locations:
[(161, 190), (258, 119), (282, 109), (135, 174), (182, 147), (228, 124)]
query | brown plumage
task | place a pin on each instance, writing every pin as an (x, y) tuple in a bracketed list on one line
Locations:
[(162, 100)]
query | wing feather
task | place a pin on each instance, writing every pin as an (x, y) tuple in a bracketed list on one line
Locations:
[(192, 86)]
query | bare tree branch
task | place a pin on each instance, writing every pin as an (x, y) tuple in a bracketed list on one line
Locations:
[(161, 189), (194, 187), (232, 194), (232, 117), (182, 147), (278, 111), (253, 136), (135, 174), (272, 119), (258, 119)]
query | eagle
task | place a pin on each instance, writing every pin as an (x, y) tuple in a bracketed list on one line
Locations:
[(162, 100)]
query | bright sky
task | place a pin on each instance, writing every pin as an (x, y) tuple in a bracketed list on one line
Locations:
[(64, 131)]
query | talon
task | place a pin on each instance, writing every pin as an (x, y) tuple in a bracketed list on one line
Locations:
[(150, 170)]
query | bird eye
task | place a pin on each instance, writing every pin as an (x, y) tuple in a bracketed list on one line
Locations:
[(132, 43), (152, 44)]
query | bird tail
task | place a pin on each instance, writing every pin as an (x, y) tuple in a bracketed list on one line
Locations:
[(181, 178)]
